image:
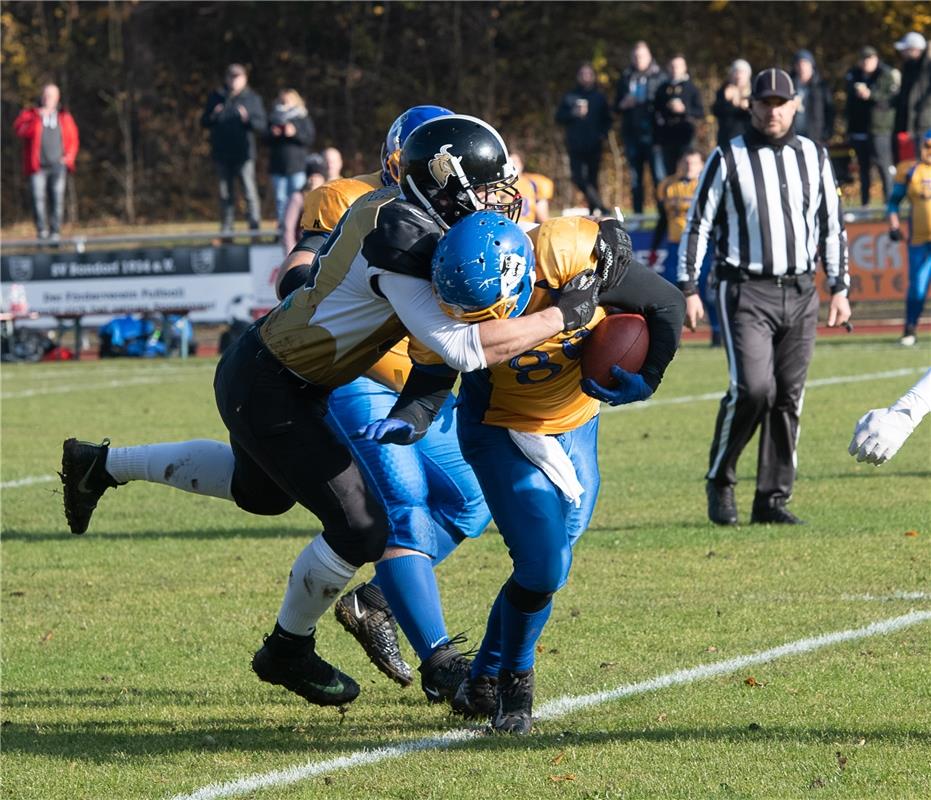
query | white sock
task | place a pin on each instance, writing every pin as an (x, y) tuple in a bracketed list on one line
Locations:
[(201, 466), (316, 580)]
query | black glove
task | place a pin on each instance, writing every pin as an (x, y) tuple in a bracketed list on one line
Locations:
[(578, 299), (614, 251), (895, 234)]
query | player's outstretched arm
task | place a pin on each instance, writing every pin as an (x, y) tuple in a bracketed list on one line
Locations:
[(466, 347), (882, 431), (421, 399)]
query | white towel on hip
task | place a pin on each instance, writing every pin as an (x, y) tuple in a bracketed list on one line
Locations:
[(548, 454)]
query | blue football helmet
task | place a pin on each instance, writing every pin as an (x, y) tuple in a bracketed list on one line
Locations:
[(483, 268), (400, 129)]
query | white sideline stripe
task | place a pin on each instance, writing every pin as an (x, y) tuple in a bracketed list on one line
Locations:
[(694, 398), (551, 710), (27, 481), (25, 373), (899, 595), (83, 387)]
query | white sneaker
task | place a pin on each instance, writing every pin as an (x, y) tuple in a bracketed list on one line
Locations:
[(907, 341)]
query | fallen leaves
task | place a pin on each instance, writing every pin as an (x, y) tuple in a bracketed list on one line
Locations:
[(751, 681), (911, 533), (561, 778), (558, 757)]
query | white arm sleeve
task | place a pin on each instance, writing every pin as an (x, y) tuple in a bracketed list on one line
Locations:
[(457, 343), (917, 400)]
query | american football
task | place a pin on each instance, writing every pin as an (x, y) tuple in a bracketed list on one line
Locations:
[(620, 339)]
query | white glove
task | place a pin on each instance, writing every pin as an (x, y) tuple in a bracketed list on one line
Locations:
[(880, 433)]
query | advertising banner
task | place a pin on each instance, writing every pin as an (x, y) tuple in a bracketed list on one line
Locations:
[(878, 266), (202, 280)]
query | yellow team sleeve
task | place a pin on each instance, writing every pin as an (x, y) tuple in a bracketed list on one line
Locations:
[(901, 170), (563, 247)]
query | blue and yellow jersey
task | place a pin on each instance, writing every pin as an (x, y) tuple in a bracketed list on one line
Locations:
[(533, 188), (528, 199), (676, 196), (913, 181), (538, 391), (542, 185)]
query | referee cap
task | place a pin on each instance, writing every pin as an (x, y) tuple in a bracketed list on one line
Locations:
[(773, 82)]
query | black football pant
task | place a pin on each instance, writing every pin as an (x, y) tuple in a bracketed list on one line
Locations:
[(286, 454), (584, 166), (768, 331)]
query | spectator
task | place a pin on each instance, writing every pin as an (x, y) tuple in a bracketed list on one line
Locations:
[(870, 118), (290, 134), (913, 180), (913, 108), (636, 93), (535, 192), (732, 103), (50, 147), (585, 115), (815, 115), (334, 164), (673, 198), (678, 110), (316, 170), (234, 114)]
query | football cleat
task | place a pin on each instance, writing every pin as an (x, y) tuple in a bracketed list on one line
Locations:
[(475, 698), (513, 710), (85, 478), (364, 612), (306, 674), (444, 670)]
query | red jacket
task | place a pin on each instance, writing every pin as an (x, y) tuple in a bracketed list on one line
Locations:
[(28, 127)]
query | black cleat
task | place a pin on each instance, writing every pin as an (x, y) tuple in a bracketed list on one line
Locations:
[(364, 612), (444, 670), (85, 478), (475, 697), (513, 711), (305, 674), (776, 514), (722, 508)]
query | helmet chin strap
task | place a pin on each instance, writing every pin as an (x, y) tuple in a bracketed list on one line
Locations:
[(431, 211)]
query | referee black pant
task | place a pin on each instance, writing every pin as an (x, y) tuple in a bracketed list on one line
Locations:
[(768, 330)]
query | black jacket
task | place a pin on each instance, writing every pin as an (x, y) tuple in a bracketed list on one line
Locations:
[(914, 101), (677, 129), (732, 121), (584, 133), (232, 140), (288, 154), (876, 114), (815, 116), (637, 121)]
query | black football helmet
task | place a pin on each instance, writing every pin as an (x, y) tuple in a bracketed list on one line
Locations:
[(455, 165)]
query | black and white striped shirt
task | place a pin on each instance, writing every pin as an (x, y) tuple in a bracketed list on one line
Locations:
[(772, 208)]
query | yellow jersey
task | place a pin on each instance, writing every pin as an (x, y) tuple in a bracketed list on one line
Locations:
[(324, 205), (915, 177), (676, 195), (538, 391)]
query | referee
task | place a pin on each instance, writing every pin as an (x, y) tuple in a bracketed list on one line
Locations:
[(769, 201)]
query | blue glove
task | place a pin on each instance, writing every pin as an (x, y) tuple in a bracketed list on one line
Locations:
[(387, 431), (630, 389)]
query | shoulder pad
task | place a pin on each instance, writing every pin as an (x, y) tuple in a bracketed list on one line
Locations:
[(403, 240)]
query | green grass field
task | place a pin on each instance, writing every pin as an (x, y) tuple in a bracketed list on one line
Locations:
[(125, 659)]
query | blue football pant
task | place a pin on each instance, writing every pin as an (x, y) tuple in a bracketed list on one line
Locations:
[(538, 524)]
